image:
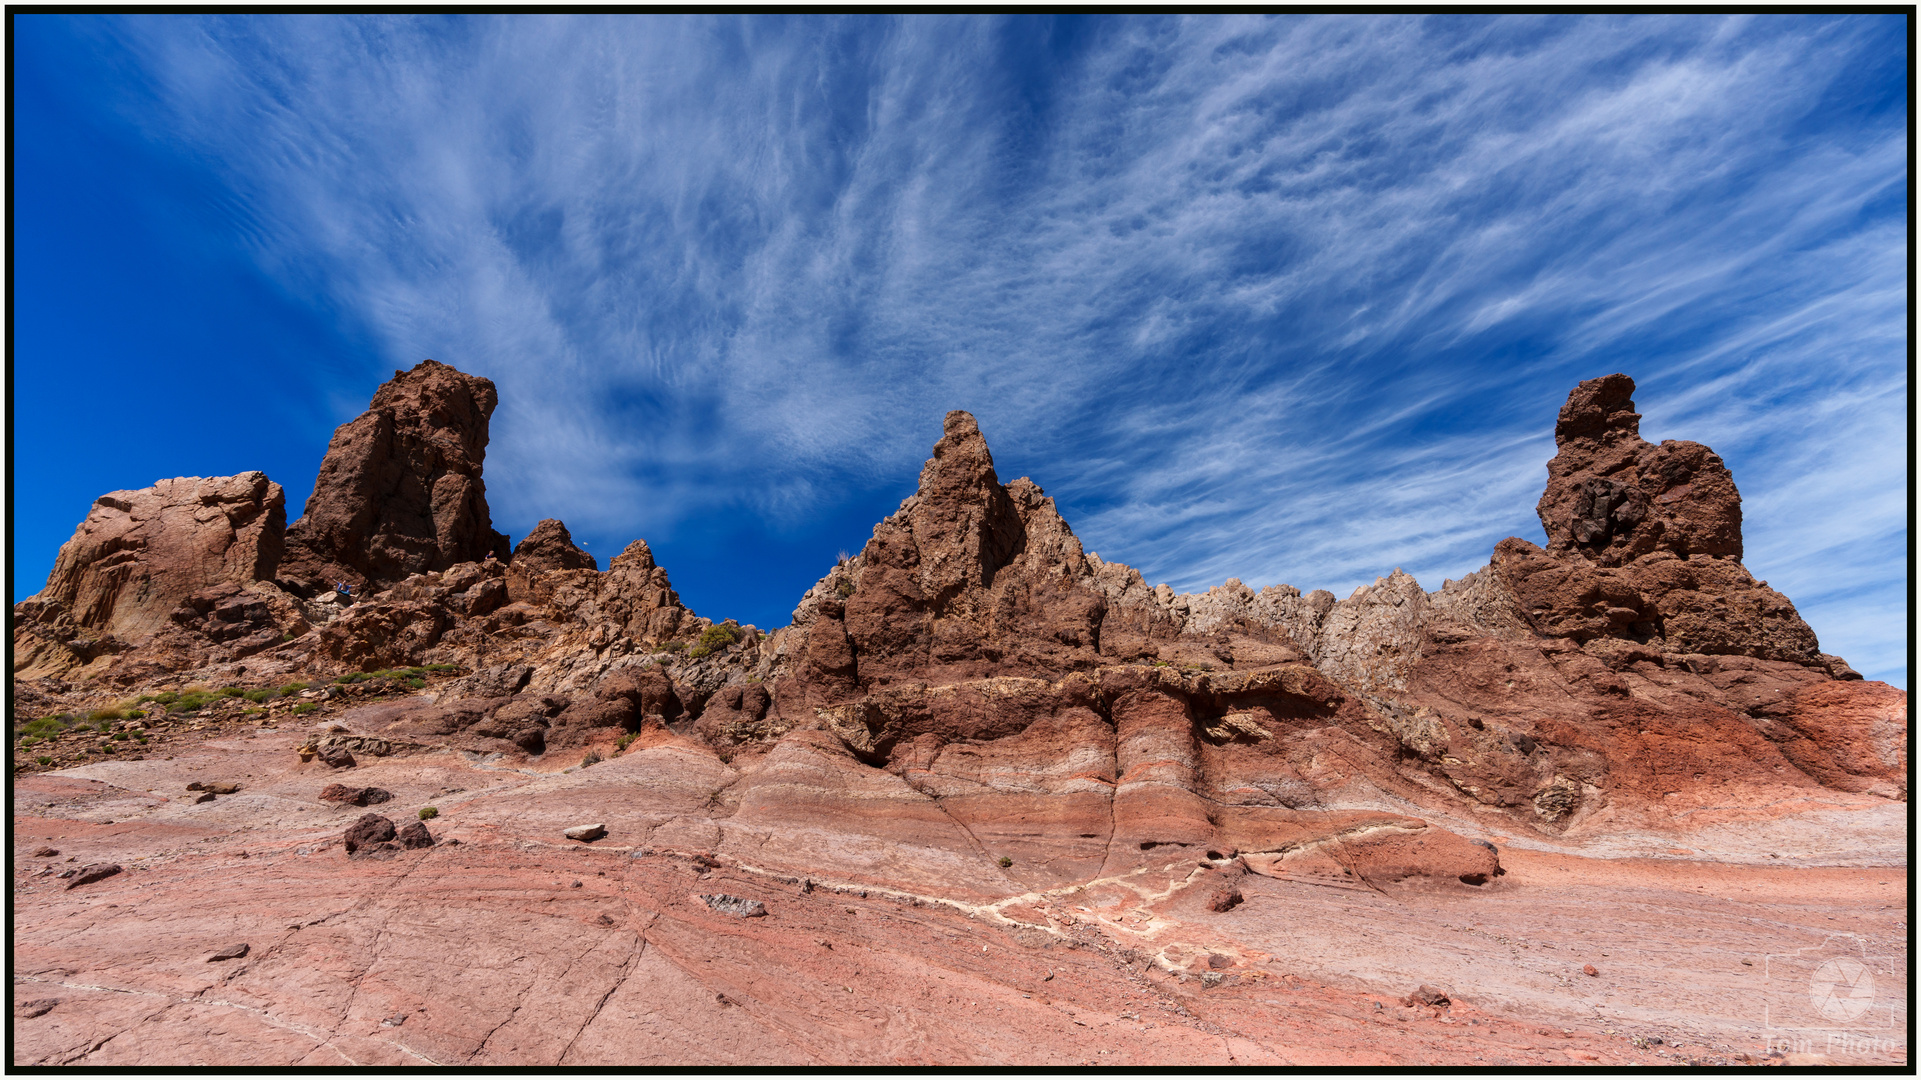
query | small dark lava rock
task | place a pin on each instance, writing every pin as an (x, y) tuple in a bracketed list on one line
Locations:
[(45, 852), (1428, 995), (338, 758), (205, 796), (370, 829), (93, 872), (414, 834)]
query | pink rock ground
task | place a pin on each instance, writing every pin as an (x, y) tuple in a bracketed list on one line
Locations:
[(488, 953)]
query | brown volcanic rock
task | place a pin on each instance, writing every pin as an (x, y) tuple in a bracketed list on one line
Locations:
[(1644, 542), (968, 578), (140, 554), (634, 599), (400, 489), (549, 547)]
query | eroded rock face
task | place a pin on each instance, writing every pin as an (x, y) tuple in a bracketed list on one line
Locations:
[(140, 554), (968, 578), (400, 489), (975, 654), (549, 547)]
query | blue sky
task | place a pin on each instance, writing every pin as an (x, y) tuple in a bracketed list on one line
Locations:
[(1284, 299)]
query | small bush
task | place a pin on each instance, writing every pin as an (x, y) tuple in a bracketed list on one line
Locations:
[(106, 714), (428, 812), (358, 676), (442, 669), (230, 691), (1006, 862), (44, 760), (621, 747), (136, 714), (28, 741), (292, 688), (258, 696), (714, 639), (845, 588), (416, 684), (107, 748), (674, 647), (121, 736), (592, 758), (304, 708)]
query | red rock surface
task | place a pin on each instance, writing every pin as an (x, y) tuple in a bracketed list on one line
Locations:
[(993, 792)]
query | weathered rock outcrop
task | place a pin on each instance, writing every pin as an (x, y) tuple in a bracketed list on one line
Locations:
[(140, 554), (400, 489), (191, 551), (1628, 671), (549, 547)]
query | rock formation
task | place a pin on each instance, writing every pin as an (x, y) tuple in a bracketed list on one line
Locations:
[(186, 550), (972, 627), (400, 490), (973, 720)]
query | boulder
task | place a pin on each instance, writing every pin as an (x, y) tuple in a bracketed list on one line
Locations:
[(585, 833), (370, 829), (414, 834)]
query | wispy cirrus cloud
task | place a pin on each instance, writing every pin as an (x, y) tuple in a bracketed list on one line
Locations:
[(1277, 298)]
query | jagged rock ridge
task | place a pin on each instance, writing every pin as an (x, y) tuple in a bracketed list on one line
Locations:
[(972, 643)]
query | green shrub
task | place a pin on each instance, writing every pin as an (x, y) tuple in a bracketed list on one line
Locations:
[(292, 688), (592, 758), (44, 760), (304, 708), (714, 639), (416, 684), (845, 588), (230, 691), (106, 714), (358, 676), (1006, 862), (121, 736), (135, 714), (28, 741), (428, 812), (674, 646), (106, 748), (258, 696), (442, 669), (621, 747)]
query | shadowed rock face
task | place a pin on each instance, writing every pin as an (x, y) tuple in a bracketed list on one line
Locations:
[(400, 490)]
